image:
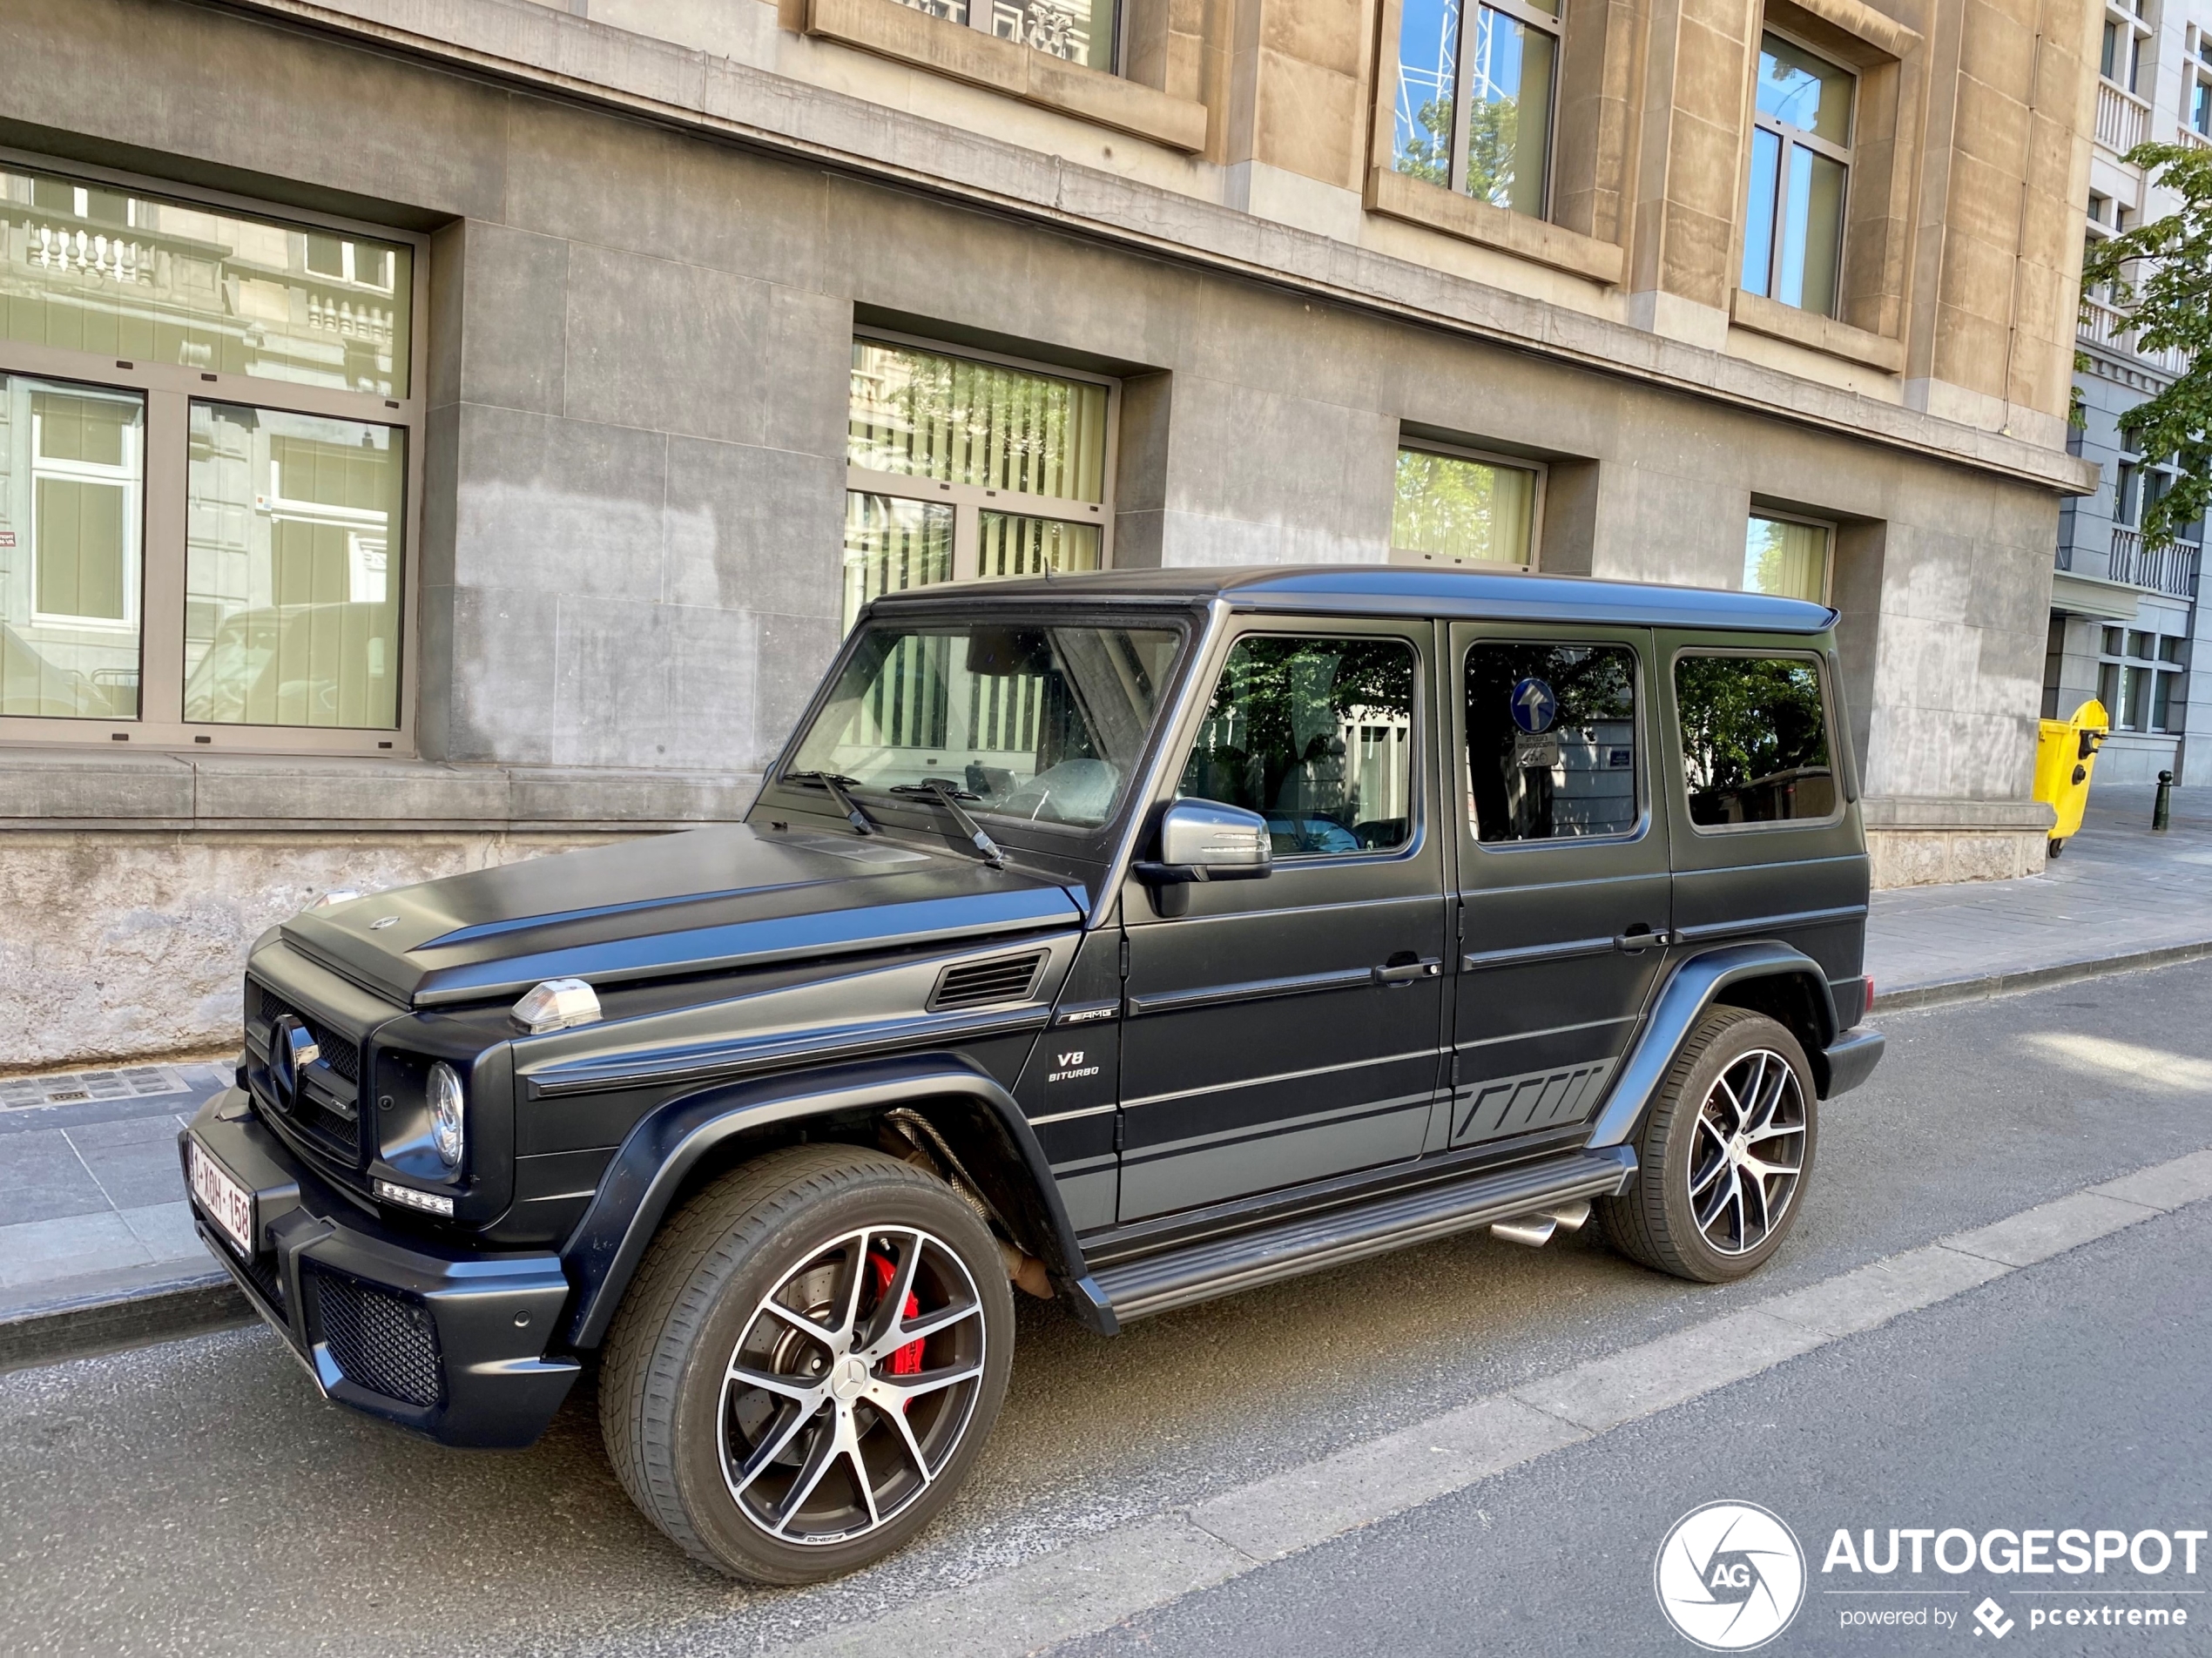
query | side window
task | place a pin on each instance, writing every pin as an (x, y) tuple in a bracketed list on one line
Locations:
[(1316, 736), (1551, 740), (1754, 739)]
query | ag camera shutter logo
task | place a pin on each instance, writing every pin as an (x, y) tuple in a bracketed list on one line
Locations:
[(1729, 1576)]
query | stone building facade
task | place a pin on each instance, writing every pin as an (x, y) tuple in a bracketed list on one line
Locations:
[(447, 429)]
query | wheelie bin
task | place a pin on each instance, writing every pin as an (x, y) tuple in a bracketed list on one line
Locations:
[(2066, 753)]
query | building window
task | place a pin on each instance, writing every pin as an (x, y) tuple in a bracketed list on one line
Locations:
[(194, 569), (2140, 679), (1474, 98), (1787, 556), (2119, 54), (1083, 32), (2200, 108), (964, 469), (1793, 234), (1463, 508)]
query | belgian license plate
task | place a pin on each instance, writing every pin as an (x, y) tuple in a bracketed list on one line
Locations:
[(226, 1203)]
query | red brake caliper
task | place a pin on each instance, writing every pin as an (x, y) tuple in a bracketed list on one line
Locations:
[(906, 1361)]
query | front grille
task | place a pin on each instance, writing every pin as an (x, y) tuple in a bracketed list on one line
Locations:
[(339, 1053), (385, 1342), (1008, 978), (328, 1110)]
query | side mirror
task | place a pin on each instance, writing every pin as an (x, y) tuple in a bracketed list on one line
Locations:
[(1204, 840)]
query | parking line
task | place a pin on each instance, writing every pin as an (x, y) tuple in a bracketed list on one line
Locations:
[(1091, 1585)]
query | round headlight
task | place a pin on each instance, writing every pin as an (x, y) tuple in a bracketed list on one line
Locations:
[(446, 1128)]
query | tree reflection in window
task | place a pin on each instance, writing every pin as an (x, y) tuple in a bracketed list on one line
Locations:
[(1754, 739)]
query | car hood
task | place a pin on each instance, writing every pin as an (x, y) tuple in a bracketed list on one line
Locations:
[(704, 901)]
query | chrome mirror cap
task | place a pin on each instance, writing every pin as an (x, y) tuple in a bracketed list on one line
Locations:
[(1225, 842), (557, 1004)]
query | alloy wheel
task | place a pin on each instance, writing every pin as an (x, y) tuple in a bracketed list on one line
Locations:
[(852, 1385), (1747, 1153)]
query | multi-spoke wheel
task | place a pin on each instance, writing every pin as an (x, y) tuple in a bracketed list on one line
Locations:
[(807, 1363), (1726, 1149)]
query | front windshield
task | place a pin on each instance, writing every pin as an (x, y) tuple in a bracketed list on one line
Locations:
[(1039, 722)]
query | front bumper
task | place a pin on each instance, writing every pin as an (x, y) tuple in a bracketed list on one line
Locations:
[(446, 1341)]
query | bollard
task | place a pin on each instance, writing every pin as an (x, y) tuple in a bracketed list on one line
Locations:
[(2161, 809)]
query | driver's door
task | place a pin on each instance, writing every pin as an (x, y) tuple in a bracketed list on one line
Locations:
[(1286, 1029)]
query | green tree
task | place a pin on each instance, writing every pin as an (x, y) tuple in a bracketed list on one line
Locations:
[(2161, 272)]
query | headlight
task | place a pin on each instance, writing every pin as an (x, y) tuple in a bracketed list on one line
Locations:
[(447, 1132)]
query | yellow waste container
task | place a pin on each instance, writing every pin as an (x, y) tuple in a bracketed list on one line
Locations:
[(2066, 753)]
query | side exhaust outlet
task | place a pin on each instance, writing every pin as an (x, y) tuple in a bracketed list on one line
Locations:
[(1536, 1229)]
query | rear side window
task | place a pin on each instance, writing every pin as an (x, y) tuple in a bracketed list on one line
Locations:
[(1754, 738), (1316, 736), (1551, 740)]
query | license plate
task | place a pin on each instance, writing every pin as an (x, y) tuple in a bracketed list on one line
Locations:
[(226, 1202)]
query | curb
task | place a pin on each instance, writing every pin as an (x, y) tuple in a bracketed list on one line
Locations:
[(1985, 989), (80, 1327)]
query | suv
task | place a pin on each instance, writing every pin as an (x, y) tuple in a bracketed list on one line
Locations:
[(1126, 938)]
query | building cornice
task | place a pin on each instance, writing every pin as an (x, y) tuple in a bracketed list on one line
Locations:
[(529, 44)]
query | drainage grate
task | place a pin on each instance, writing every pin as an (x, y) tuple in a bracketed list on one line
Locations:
[(74, 1088)]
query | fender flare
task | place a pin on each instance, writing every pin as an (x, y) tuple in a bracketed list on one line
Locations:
[(1682, 1001), (602, 1254)]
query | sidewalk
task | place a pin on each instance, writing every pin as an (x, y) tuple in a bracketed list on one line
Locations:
[(96, 1248)]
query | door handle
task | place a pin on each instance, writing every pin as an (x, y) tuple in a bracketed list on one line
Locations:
[(1640, 937), (1399, 973)]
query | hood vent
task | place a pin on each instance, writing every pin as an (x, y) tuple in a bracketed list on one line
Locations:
[(975, 984)]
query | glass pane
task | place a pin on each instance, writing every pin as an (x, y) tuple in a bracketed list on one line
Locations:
[(1012, 545), (2112, 641), (2169, 650), (71, 487), (138, 277), (2162, 711), (295, 547), (1040, 724), (1316, 736), (1509, 112), (1428, 45), (1758, 214), (1786, 558), (2139, 645), (1551, 740), (919, 414), (1754, 739), (1802, 91), (892, 544), (1460, 509), (1813, 234), (1080, 30), (2135, 706)]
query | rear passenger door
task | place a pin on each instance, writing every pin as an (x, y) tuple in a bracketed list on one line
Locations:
[(1766, 838), (1563, 898)]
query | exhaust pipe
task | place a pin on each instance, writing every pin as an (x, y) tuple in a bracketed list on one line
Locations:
[(1536, 1229)]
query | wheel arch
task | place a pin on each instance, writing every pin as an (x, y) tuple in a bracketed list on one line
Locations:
[(1766, 977), (680, 1143)]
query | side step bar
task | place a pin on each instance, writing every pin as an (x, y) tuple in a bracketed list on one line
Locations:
[(1313, 1243)]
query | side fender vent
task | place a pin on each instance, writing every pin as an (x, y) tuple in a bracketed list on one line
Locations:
[(974, 984)]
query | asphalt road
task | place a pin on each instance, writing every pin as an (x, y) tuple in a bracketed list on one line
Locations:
[(197, 1498)]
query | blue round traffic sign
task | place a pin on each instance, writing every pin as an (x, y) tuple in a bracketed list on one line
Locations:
[(1534, 705)]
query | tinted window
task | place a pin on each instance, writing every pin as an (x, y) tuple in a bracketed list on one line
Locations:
[(1551, 740), (1316, 736), (1754, 739)]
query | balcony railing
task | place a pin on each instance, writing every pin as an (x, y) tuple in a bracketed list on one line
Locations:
[(2193, 140), (2112, 328), (2170, 569), (2122, 119)]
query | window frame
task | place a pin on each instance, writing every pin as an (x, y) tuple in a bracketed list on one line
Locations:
[(1777, 515), (1843, 155), (1484, 457), (1455, 169), (2158, 669), (1463, 762), (163, 508), (969, 502), (1829, 725)]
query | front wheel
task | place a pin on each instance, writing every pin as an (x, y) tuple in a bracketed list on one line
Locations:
[(1724, 1155), (809, 1360)]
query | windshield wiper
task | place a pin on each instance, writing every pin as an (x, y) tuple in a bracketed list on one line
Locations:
[(836, 785), (936, 789)]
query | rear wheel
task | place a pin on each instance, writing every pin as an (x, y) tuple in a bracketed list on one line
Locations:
[(807, 1364), (1724, 1155)]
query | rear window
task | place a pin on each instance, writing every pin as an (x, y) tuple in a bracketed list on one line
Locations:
[(1755, 743)]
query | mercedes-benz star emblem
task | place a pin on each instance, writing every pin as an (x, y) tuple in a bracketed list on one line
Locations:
[(293, 1049)]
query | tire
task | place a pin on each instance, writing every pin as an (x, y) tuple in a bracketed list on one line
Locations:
[(830, 1232), (1678, 1215)]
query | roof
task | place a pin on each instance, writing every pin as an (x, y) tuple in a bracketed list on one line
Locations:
[(1399, 590)]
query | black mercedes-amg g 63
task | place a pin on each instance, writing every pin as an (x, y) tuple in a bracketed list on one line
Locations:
[(1127, 939)]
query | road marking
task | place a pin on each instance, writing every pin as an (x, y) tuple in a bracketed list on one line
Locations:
[(1093, 1585)]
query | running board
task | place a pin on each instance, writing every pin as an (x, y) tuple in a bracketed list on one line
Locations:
[(1222, 1266)]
